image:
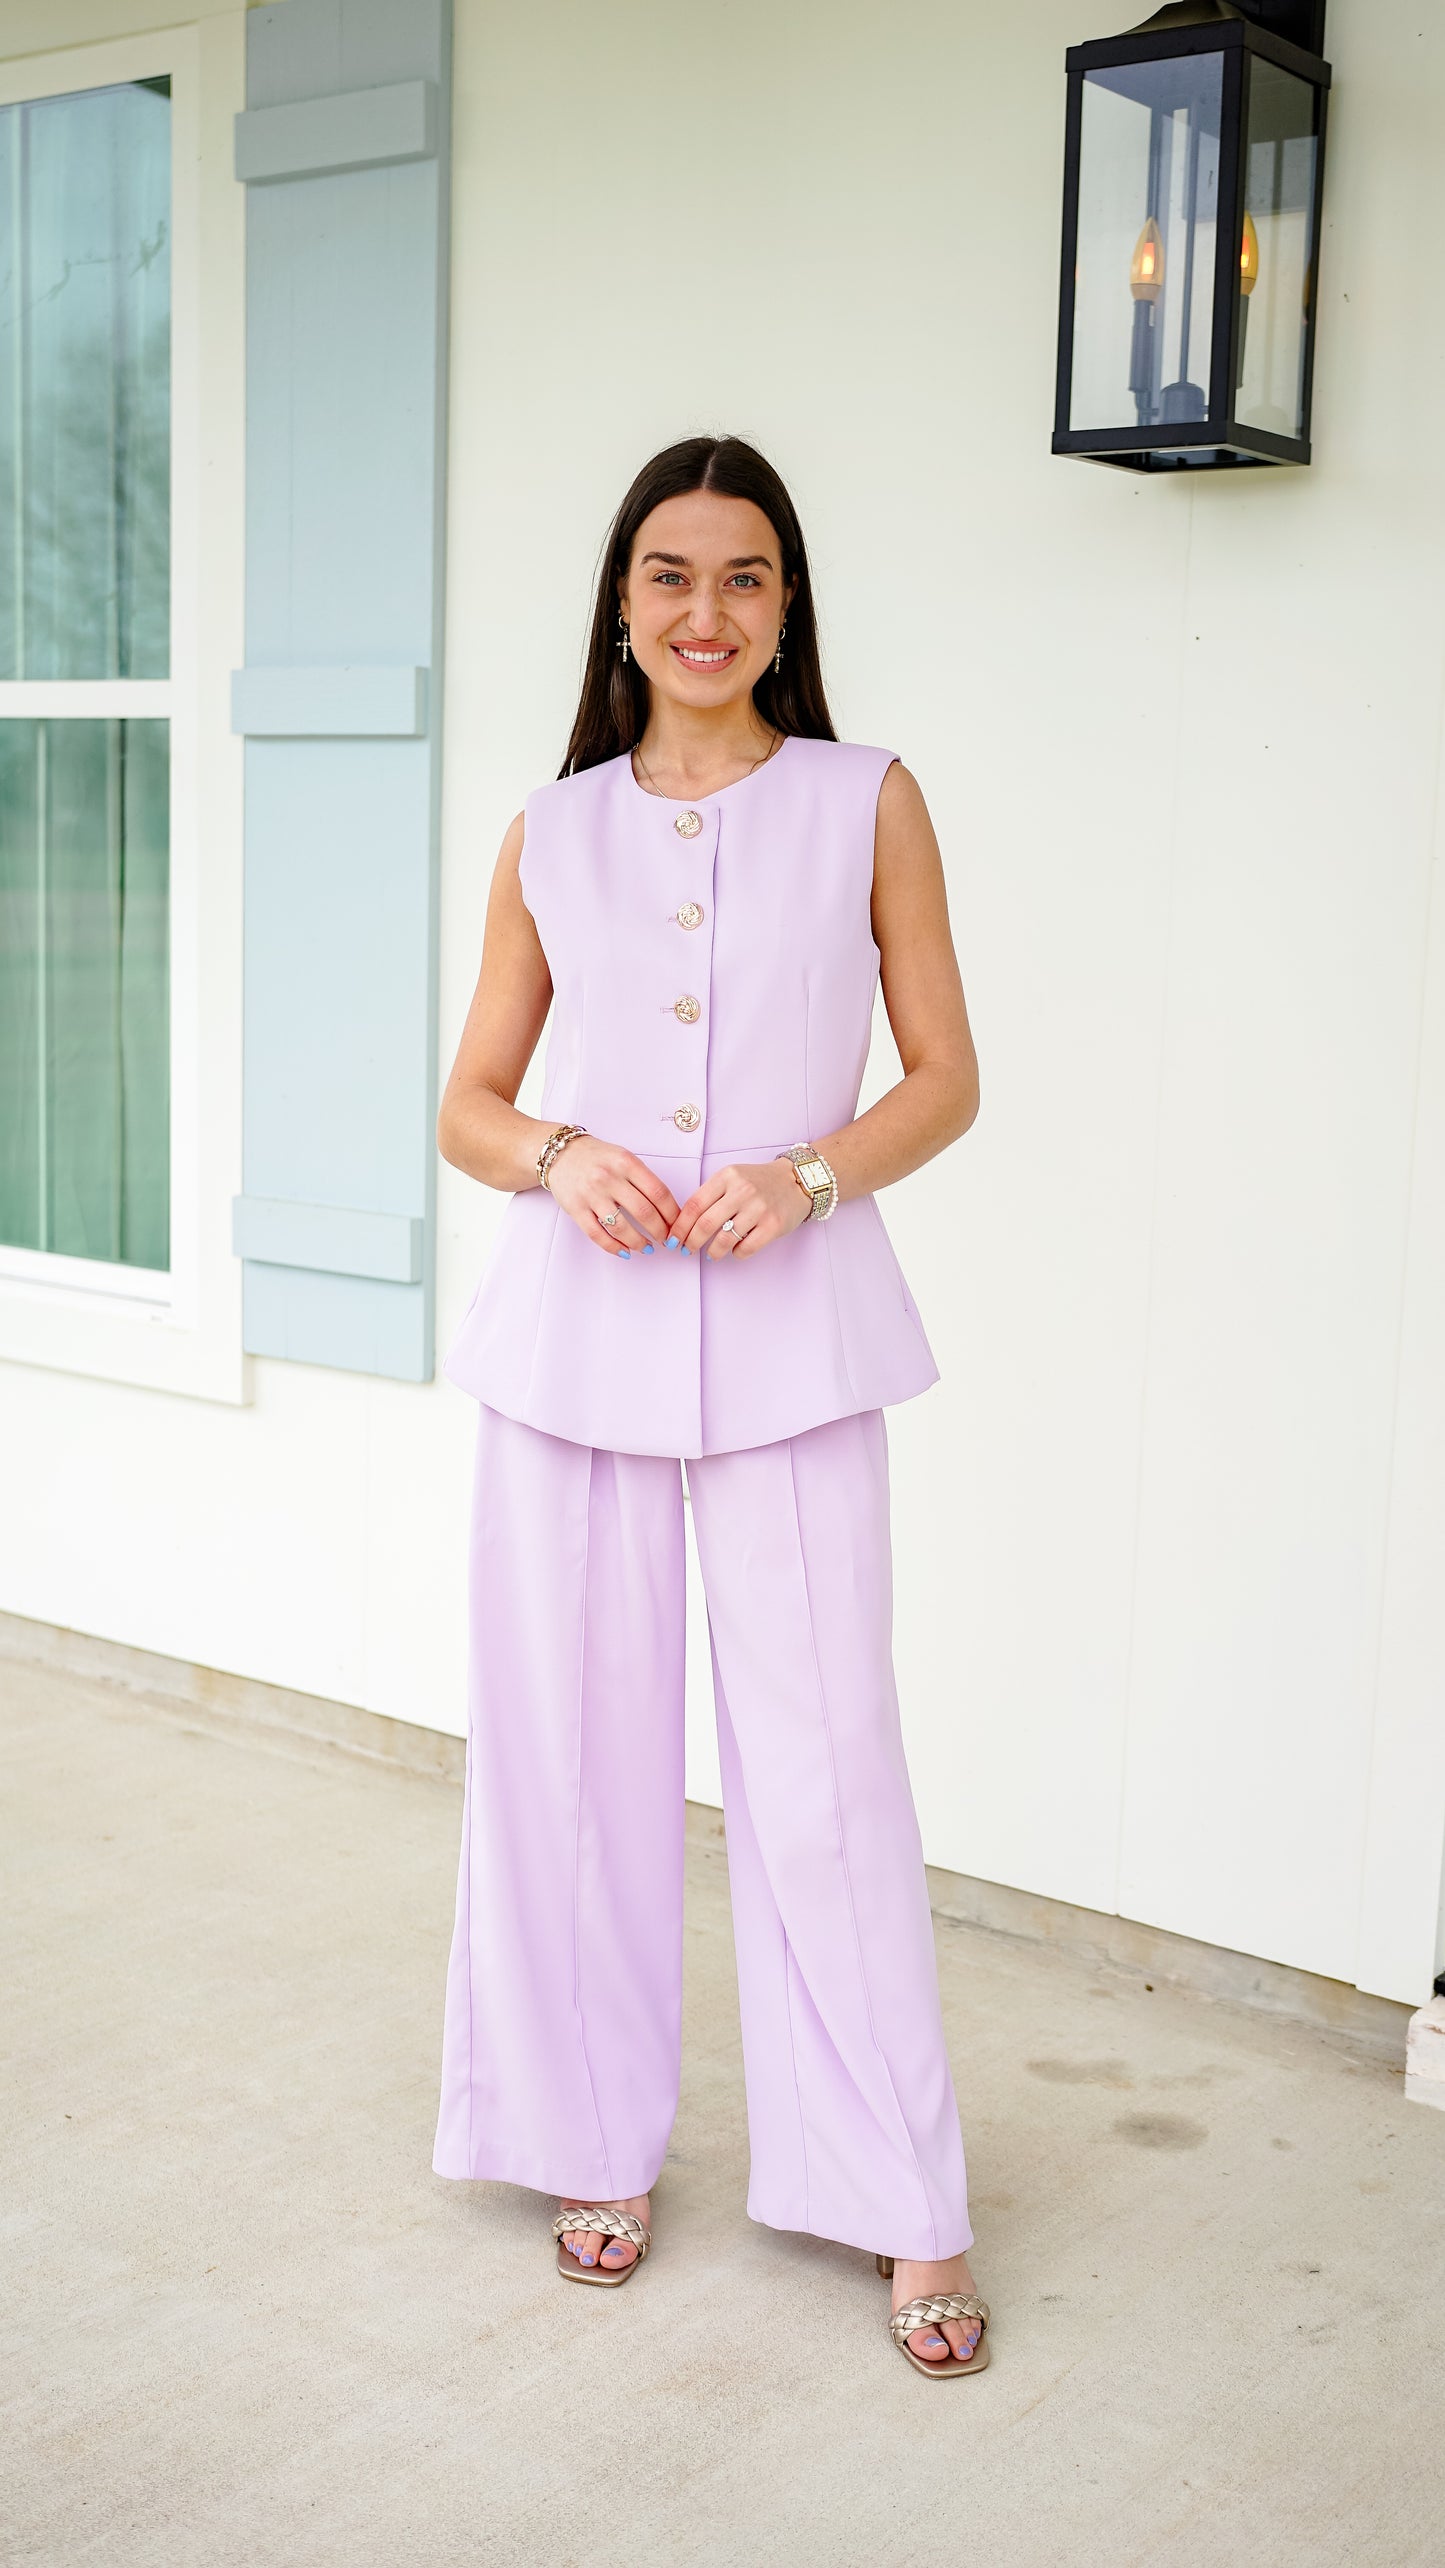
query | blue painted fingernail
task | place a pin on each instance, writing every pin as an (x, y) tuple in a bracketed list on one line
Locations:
[(624, 1252), (647, 1248), (685, 1249), (671, 1243)]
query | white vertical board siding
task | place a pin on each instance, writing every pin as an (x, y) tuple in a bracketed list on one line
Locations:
[(1278, 1420), (1398, 87), (1406, 1789)]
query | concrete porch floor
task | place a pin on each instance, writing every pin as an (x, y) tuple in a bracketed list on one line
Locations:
[(247, 2324)]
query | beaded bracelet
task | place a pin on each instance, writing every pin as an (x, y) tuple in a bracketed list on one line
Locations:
[(552, 1148)]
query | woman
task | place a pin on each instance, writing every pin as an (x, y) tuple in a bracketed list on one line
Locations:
[(705, 898)]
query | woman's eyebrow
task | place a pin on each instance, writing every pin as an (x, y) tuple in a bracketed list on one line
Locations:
[(739, 562)]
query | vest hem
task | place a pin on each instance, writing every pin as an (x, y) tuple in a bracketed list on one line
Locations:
[(526, 1413)]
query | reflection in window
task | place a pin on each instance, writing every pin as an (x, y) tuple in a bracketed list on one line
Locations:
[(84, 1041), (85, 384), (1277, 251)]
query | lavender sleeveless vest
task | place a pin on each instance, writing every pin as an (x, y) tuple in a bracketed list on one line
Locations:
[(713, 973)]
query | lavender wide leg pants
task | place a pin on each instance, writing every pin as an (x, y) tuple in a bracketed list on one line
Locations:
[(562, 2021)]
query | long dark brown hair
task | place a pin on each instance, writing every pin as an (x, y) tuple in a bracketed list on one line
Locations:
[(612, 713)]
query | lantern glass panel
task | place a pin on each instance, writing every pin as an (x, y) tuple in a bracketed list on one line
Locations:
[(1148, 205), (1277, 251)]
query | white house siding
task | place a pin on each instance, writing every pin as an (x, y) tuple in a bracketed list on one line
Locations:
[(1169, 1532)]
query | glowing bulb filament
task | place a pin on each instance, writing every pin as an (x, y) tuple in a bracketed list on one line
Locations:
[(1249, 257), (1146, 268)]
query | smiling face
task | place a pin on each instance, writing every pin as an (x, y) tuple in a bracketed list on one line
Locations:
[(704, 597)]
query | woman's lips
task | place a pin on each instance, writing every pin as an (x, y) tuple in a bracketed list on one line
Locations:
[(697, 655)]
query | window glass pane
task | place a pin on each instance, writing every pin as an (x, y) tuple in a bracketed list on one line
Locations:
[(1148, 202), (85, 385), (1276, 251), (84, 997)]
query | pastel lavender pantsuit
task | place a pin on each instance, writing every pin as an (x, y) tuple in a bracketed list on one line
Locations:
[(596, 1379)]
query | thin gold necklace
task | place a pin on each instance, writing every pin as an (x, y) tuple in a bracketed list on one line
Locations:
[(738, 780)]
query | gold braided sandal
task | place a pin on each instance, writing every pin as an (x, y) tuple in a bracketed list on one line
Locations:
[(612, 2224), (927, 2313)]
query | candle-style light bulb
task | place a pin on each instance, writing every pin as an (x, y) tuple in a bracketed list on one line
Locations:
[(1248, 280), (1146, 268), (1249, 256)]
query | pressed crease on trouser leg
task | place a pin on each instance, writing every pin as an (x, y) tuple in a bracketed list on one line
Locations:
[(851, 2107)]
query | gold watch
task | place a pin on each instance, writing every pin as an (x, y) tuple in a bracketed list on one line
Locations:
[(814, 1176)]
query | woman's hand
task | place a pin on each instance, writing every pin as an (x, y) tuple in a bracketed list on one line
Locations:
[(590, 1177), (762, 1197)]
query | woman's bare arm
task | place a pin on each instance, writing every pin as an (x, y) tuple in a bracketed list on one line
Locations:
[(478, 1126), (937, 1098)]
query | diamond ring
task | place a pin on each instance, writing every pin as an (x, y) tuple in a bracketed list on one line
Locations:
[(608, 1218), (730, 1224)]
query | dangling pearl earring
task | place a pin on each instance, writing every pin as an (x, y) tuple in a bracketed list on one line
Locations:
[(778, 662), (622, 646)]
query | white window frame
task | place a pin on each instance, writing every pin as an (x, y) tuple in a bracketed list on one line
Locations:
[(180, 1330)]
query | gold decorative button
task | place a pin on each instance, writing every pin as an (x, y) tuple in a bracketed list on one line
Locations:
[(688, 1008), (688, 823), (687, 1118), (690, 914)]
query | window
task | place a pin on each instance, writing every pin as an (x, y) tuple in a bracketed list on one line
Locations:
[(85, 477)]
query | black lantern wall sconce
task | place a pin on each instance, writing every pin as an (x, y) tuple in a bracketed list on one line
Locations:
[(1193, 166)]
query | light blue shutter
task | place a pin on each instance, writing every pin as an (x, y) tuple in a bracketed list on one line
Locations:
[(343, 148)]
